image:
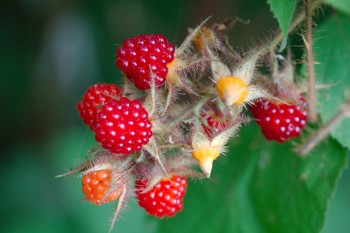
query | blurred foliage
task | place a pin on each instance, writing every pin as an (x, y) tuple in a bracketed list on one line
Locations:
[(333, 50), (262, 187), (51, 51), (341, 5), (283, 11)]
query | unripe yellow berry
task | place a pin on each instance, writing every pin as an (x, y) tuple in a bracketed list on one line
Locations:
[(203, 38), (205, 157), (232, 90)]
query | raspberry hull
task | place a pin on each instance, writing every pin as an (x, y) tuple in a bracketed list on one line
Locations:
[(279, 122), (123, 126), (165, 198), (143, 54)]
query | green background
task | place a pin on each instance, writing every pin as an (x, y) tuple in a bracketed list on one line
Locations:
[(50, 52)]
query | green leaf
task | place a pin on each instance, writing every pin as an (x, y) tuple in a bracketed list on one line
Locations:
[(332, 51), (261, 187), (338, 212), (293, 193), (342, 5), (283, 11)]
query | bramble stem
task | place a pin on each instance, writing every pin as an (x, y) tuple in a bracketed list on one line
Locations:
[(343, 112), (193, 110), (311, 97)]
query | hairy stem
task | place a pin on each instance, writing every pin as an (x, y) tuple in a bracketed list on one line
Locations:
[(193, 110), (311, 98), (343, 112)]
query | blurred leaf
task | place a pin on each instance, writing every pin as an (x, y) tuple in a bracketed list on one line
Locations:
[(342, 5), (292, 193), (338, 212), (72, 145), (332, 51), (35, 201), (262, 187), (283, 11)]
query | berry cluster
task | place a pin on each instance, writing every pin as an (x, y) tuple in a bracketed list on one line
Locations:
[(154, 139)]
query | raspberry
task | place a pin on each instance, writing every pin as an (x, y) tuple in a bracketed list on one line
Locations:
[(122, 126), (94, 97), (280, 121), (216, 124), (139, 54), (97, 184), (165, 198)]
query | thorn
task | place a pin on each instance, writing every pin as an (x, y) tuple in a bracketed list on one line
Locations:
[(72, 171), (168, 98), (119, 207), (151, 148)]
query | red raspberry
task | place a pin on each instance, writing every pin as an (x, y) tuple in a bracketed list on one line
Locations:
[(216, 123), (122, 126), (97, 184), (165, 198), (139, 54), (94, 97), (280, 121)]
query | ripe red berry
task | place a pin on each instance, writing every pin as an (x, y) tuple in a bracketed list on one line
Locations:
[(165, 198), (97, 184), (217, 124), (140, 54), (94, 97), (122, 126), (280, 121)]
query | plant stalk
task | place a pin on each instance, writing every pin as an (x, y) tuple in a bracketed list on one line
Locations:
[(343, 112)]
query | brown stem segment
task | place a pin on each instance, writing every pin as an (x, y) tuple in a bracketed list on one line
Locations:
[(311, 97), (343, 112)]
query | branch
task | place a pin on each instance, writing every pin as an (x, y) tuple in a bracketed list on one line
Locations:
[(343, 112), (311, 97)]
